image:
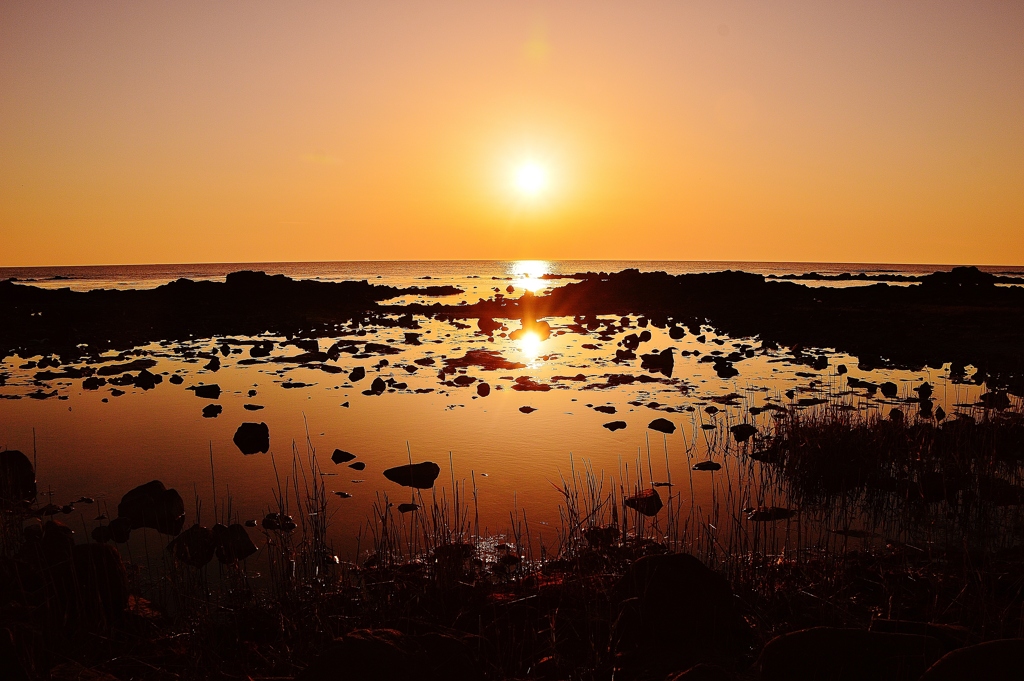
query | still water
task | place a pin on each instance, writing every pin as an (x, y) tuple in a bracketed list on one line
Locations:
[(514, 445)]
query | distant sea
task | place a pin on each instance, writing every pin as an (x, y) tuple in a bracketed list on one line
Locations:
[(405, 273)]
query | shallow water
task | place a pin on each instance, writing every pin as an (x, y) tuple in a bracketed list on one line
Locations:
[(93, 443)]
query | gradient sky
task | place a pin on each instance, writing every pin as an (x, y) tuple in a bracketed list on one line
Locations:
[(138, 132)]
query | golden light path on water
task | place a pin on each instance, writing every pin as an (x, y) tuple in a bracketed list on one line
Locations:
[(526, 274)]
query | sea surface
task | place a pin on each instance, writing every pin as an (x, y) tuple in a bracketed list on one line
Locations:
[(511, 450)]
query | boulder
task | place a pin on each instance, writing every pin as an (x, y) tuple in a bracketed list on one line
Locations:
[(833, 654), (662, 425), (647, 502), (889, 389), (209, 392), (659, 362), (743, 432), (195, 546), (341, 456), (233, 543), (251, 438), (483, 390), (614, 425), (707, 466), (17, 479), (358, 374), (1000, 660), (154, 506), (212, 411), (419, 475)]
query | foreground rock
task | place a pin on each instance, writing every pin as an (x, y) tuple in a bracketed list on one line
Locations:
[(419, 475), (252, 438), (17, 479), (153, 505)]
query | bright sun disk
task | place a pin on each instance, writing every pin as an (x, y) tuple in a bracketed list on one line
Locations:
[(531, 179)]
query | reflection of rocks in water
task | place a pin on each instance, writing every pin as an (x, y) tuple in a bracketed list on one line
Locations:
[(418, 475), (252, 438)]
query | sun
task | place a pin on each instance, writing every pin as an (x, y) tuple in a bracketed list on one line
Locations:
[(531, 179)]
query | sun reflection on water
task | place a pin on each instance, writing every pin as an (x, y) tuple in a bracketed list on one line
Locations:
[(530, 346), (526, 274)]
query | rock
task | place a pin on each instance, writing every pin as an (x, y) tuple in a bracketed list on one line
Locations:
[(120, 529), (195, 546), (278, 521), (676, 332), (483, 390), (1000, 660), (233, 543), (95, 383), (924, 391), (252, 407), (209, 392), (408, 508), (743, 432), (418, 475), (146, 380), (341, 456), (100, 534), (832, 654), (357, 466), (659, 362), (675, 608), (527, 409), (646, 502), (889, 389), (358, 374), (261, 349), (251, 438), (377, 387), (212, 411), (995, 400), (614, 425), (841, 369), (707, 466), (662, 425), (605, 409), (17, 479), (176, 379), (154, 506)]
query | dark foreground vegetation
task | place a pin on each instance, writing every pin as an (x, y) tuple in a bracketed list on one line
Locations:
[(899, 555)]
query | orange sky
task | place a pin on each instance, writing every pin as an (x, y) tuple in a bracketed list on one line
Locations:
[(137, 132)]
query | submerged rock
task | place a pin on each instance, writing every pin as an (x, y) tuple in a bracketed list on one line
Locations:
[(195, 546), (707, 466), (341, 456), (252, 438), (418, 475)]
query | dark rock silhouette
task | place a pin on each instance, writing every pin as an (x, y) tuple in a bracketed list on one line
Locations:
[(647, 502), (341, 456), (743, 432), (707, 466), (659, 362), (662, 425), (419, 475), (769, 514), (232, 543), (358, 374), (153, 505), (17, 479), (209, 392), (212, 411), (252, 438), (195, 546), (614, 425), (483, 390), (357, 466), (831, 654), (408, 508)]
